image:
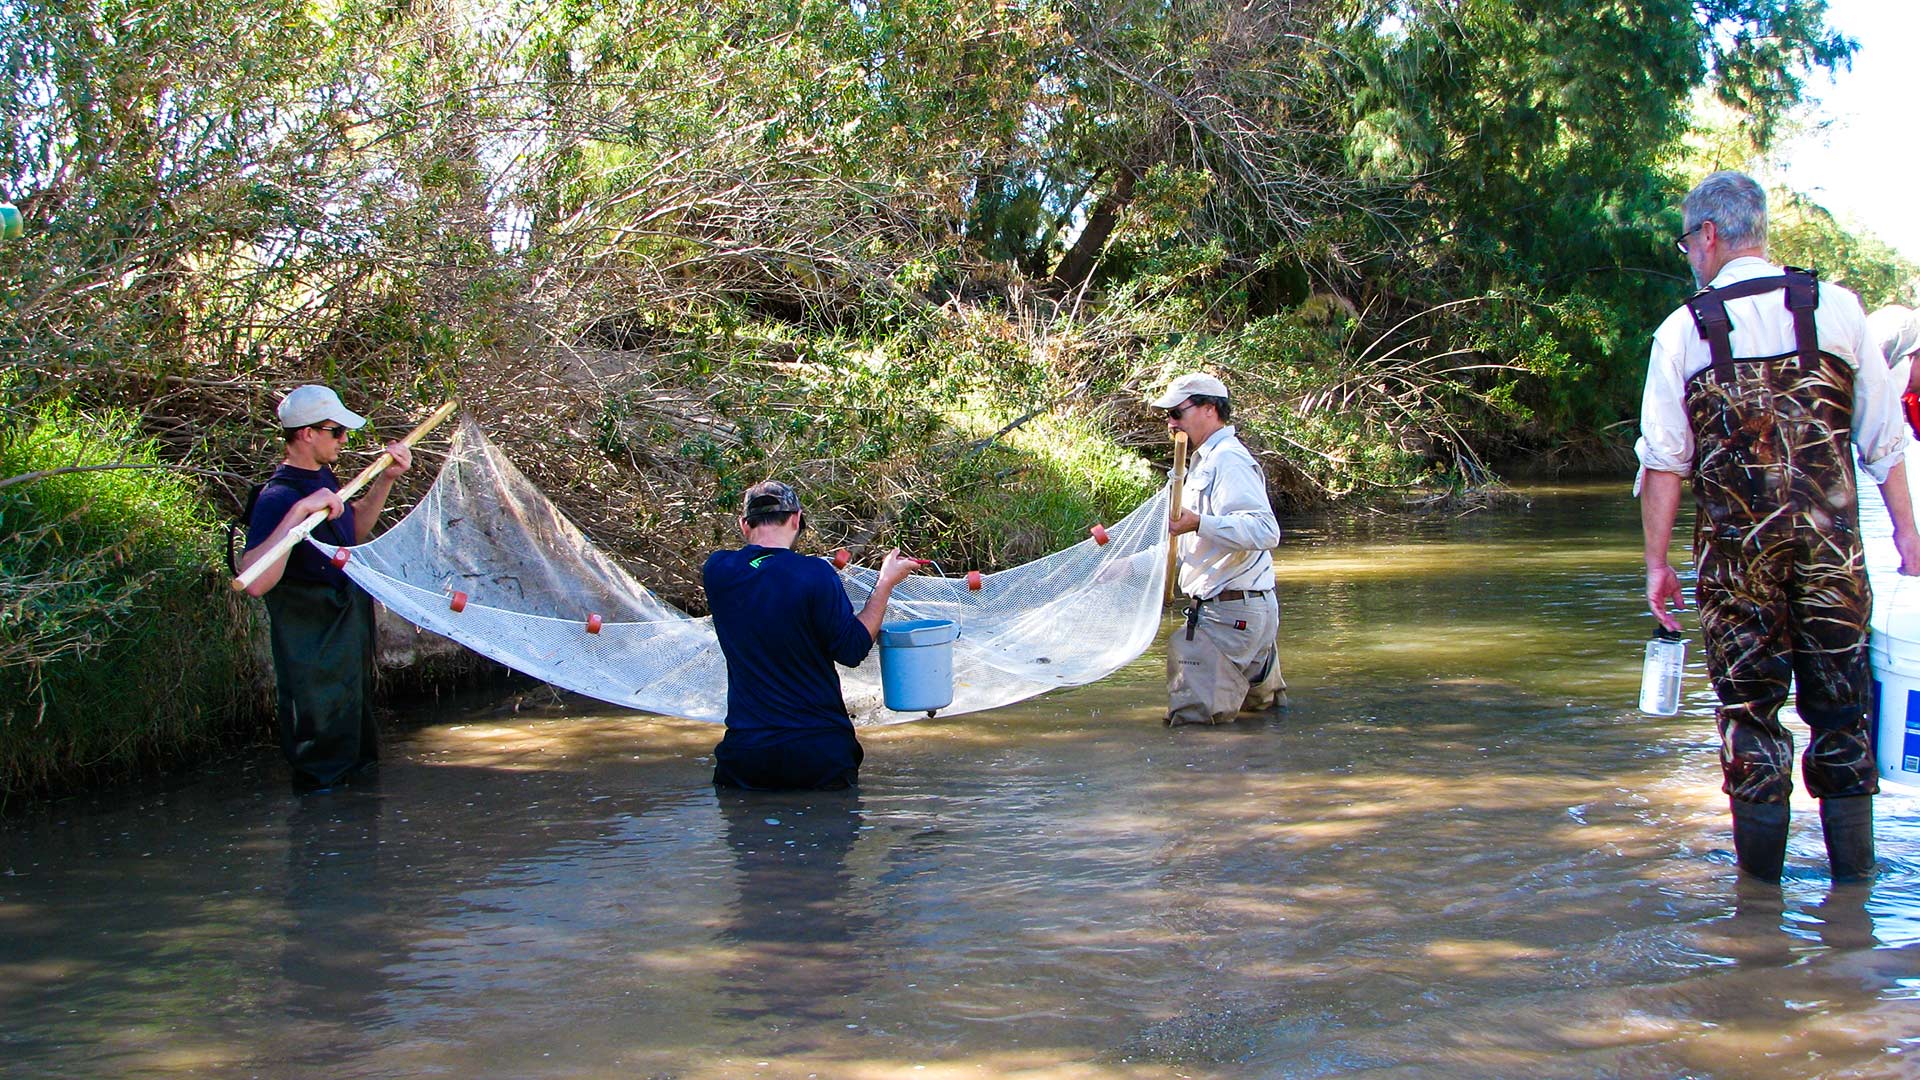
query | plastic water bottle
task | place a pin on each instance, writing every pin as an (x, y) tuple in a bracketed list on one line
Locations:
[(1660, 676)]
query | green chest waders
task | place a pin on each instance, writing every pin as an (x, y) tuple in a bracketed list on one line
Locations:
[(323, 668), (1782, 580)]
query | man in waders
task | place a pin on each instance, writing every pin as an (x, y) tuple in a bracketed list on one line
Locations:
[(1755, 388), (1223, 660), (321, 622), (783, 619)]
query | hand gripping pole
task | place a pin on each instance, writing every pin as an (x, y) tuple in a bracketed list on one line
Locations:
[(1173, 511)]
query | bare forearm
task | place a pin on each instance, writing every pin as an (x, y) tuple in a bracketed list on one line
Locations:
[(1899, 500), (874, 611), (366, 511), (1659, 508)]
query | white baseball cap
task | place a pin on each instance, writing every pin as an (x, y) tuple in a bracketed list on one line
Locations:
[(1896, 330), (1188, 385), (307, 405)]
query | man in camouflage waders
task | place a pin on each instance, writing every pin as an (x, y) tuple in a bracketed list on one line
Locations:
[(1755, 388)]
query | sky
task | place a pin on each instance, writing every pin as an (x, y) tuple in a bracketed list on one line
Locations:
[(1865, 165)]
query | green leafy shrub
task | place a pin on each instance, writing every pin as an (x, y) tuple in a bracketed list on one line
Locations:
[(118, 641)]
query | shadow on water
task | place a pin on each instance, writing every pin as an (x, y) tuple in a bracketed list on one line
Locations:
[(1460, 853)]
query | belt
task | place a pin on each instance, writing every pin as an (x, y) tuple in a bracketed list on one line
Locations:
[(1193, 611)]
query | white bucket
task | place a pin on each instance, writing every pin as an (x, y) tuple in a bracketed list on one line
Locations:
[(1896, 697)]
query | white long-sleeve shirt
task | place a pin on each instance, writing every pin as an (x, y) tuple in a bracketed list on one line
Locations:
[(1233, 547), (1762, 326)]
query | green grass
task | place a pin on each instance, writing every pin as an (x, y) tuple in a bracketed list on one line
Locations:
[(119, 644)]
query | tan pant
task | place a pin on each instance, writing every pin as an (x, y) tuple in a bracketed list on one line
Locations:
[(1230, 666)]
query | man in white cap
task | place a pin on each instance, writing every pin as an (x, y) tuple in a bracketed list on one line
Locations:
[(1224, 660), (321, 622)]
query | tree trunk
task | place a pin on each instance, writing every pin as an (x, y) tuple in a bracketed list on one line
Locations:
[(1077, 265)]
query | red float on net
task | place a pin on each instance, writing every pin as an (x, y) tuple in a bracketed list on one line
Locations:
[(340, 557), (458, 602), (841, 557), (973, 581), (593, 623), (1099, 533)]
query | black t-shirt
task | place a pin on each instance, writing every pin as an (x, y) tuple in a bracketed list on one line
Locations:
[(783, 620), (288, 485)]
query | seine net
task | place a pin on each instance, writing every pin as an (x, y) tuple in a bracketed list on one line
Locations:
[(527, 583)]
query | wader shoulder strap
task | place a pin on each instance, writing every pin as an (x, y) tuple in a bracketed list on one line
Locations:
[(1709, 310), (1803, 296)]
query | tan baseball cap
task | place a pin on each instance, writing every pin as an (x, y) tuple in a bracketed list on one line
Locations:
[(1188, 385)]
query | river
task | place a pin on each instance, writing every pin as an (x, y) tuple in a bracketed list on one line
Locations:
[(1460, 853)]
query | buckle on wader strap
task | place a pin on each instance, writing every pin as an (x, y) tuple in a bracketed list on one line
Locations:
[(1709, 310), (1193, 616), (1803, 296)]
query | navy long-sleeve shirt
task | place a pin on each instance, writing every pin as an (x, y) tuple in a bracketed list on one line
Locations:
[(783, 620), (288, 485)]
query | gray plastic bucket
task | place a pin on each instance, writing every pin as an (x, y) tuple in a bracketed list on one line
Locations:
[(916, 664)]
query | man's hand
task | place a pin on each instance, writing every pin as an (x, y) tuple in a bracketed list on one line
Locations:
[(1184, 522), (1663, 592), (402, 455), (319, 500), (896, 567), (1907, 544)]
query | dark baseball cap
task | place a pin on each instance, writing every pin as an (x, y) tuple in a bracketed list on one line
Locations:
[(770, 497)]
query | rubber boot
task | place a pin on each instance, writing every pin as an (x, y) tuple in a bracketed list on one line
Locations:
[(1760, 838), (1848, 825)]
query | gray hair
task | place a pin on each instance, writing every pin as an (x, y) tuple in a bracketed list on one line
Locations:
[(1735, 203)]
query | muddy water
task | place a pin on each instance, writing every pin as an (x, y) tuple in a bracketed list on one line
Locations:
[(1461, 853)]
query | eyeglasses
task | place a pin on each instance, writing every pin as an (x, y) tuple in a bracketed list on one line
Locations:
[(1681, 240), (1180, 410), (338, 431)]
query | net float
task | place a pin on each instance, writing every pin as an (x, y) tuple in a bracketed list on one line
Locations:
[(1099, 534), (973, 581), (458, 602), (841, 557), (340, 557), (593, 623)]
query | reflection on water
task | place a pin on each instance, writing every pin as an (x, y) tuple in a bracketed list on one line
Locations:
[(1460, 853), (795, 928)]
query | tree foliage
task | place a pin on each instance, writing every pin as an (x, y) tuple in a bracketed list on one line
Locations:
[(671, 247)]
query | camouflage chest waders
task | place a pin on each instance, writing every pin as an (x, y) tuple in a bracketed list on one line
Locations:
[(1782, 588)]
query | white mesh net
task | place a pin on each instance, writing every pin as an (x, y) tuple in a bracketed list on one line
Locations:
[(532, 581)]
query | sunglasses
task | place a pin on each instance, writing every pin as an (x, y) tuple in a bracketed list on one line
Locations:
[(1180, 410), (338, 431), (1681, 240)]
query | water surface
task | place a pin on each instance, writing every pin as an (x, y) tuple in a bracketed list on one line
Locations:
[(1461, 853)]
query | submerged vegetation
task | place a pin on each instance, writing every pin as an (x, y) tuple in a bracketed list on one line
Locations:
[(922, 257)]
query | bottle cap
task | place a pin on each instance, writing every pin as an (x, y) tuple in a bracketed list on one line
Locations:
[(1664, 634)]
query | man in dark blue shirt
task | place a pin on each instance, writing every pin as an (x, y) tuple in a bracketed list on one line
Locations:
[(783, 620), (321, 622)]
